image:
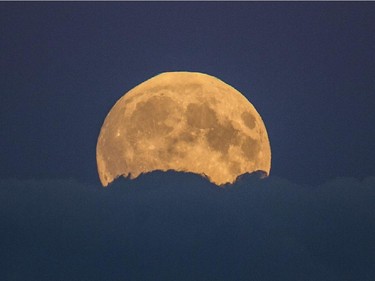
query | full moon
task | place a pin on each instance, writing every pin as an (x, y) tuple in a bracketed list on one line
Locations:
[(183, 121)]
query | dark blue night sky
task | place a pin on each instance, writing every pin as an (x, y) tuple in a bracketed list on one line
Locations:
[(307, 67)]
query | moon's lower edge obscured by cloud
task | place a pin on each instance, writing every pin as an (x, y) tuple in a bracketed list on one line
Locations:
[(183, 121)]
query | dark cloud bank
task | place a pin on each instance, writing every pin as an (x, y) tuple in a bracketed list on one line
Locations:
[(172, 226)]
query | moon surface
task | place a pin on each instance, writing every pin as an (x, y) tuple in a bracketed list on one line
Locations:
[(183, 121)]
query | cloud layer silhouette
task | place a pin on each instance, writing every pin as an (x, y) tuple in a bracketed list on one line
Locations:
[(173, 226)]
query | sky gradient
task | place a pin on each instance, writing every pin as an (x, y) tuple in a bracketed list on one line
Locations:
[(307, 67)]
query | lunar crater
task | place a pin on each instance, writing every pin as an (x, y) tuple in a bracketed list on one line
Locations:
[(248, 119), (200, 116), (221, 137)]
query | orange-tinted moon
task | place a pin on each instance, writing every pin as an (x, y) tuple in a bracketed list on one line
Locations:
[(183, 121)]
